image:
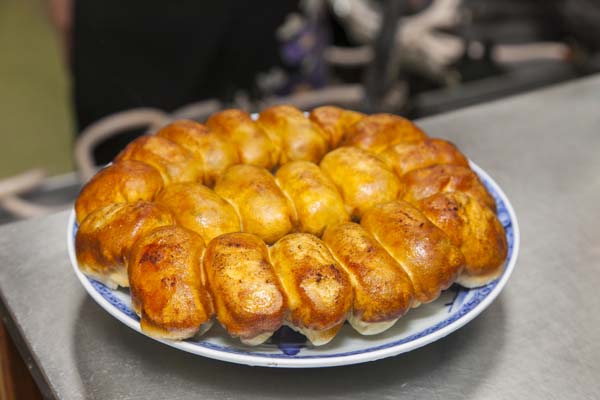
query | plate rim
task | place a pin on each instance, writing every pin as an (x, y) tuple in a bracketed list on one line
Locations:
[(316, 361)]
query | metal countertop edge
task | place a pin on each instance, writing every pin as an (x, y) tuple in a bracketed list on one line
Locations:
[(31, 361)]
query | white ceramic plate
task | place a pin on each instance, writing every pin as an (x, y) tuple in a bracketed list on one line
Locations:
[(455, 307)]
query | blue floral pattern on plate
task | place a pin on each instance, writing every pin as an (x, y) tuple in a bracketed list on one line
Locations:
[(459, 302)]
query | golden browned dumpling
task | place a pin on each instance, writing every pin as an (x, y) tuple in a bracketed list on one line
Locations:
[(105, 237), (174, 163), (254, 146), (199, 209), (123, 181), (362, 179), (318, 290), (300, 138), (474, 229), (214, 150), (408, 156), (167, 288), (383, 292), (317, 202), (424, 251), (378, 131), (263, 208), (426, 182), (248, 297), (335, 121)]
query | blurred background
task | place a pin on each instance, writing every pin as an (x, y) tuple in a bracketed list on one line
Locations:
[(80, 78)]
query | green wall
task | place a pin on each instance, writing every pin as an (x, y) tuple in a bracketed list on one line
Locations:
[(36, 126)]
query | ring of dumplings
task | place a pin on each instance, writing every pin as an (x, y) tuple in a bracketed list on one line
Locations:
[(287, 219)]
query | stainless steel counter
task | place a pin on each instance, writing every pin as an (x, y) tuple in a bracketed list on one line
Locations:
[(539, 340)]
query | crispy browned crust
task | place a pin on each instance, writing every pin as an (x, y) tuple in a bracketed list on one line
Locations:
[(199, 209), (361, 178), (123, 181), (318, 290), (174, 163), (425, 182), (382, 290), (167, 287), (408, 156), (424, 251), (248, 296), (300, 139), (370, 273), (378, 131), (335, 122), (106, 236), (317, 202), (472, 227), (263, 208), (254, 146), (213, 149)]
